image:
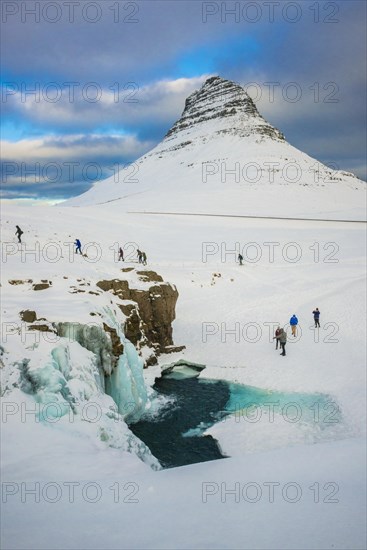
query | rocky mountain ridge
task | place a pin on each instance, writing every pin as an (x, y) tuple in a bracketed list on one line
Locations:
[(222, 100)]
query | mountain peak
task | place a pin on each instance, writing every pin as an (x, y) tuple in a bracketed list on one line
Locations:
[(226, 104), (221, 156)]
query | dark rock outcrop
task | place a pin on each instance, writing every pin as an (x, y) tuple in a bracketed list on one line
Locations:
[(150, 312), (149, 276), (42, 327), (20, 281), (42, 286), (28, 316)]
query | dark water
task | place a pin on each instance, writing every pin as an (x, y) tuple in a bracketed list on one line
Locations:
[(200, 403), (196, 401)]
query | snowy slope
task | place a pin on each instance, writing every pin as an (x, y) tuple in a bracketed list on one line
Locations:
[(259, 292), (225, 316), (221, 156)]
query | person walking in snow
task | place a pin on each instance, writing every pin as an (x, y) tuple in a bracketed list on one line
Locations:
[(316, 317), (140, 256), (143, 258), (293, 321), (276, 337), (121, 254), (19, 233), (282, 340), (240, 258), (78, 245)]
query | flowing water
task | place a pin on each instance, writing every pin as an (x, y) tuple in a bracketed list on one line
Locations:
[(176, 435)]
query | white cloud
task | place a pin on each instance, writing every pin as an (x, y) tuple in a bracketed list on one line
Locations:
[(126, 104), (77, 146)]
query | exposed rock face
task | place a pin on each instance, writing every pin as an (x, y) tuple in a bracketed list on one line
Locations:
[(20, 281), (157, 311), (117, 347), (149, 276), (221, 99), (133, 326), (42, 286), (150, 312), (119, 287), (28, 316), (42, 327)]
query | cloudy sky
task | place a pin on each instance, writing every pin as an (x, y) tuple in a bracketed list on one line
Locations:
[(89, 86)]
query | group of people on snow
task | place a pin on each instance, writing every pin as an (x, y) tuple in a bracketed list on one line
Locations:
[(281, 335), (142, 257)]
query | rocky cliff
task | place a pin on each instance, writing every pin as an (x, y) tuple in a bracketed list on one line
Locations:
[(149, 311), (222, 100), (147, 304)]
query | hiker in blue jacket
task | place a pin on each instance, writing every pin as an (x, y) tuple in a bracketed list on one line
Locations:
[(293, 321), (78, 245), (316, 317)]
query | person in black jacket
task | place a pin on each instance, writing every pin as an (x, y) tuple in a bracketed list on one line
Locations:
[(282, 340), (19, 233)]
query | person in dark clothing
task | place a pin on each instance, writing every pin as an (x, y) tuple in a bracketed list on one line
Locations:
[(78, 245), (240, 258), (282, 340), (316, 317), (19, 233), (121, 254), (140, 256), (143, 258), (276, 337)]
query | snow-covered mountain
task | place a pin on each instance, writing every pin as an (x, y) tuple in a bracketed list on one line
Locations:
[(76, 330), (222, 157)]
